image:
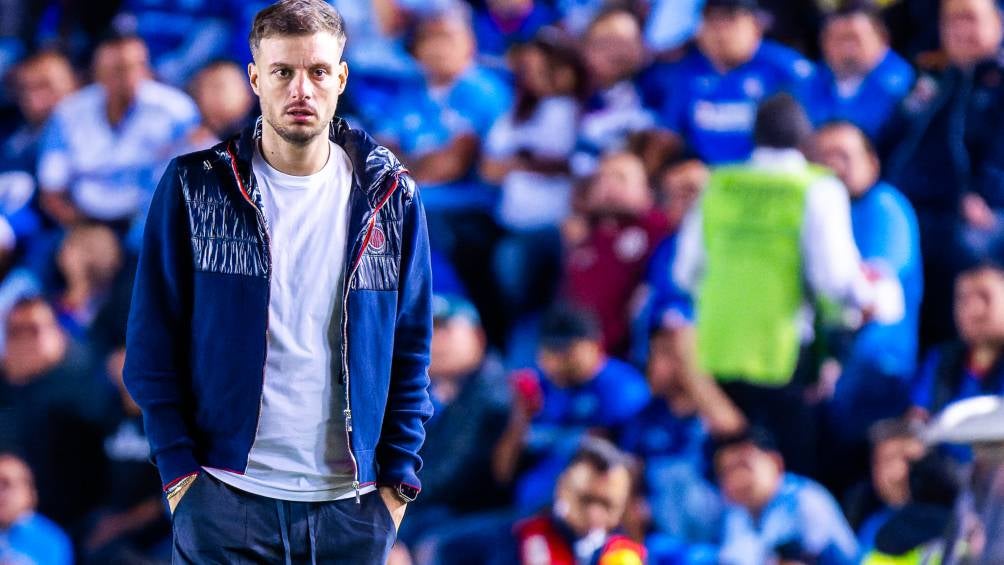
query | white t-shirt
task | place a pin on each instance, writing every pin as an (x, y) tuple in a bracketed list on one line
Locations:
[(300, 450), (529, 199)]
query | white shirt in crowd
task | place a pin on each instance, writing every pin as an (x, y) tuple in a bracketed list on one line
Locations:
[(300, 450)]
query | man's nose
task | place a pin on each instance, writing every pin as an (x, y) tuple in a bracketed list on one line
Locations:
[(301, 88)]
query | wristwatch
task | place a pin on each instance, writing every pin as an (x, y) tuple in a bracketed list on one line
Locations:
[(406, 493)]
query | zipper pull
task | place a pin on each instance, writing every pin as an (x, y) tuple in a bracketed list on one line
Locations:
[(355, 486), (348, 419)]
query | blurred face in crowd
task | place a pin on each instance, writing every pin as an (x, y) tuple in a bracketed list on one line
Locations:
[(42, 83), (680, 186), (533, 71), (970, 30), (90, 256), (510, 8), (444, 48), (17, 490), (664, 371), (298, 79), (853, 44), (979, 306), (620, 186), (748, 475), (613, 48), (120, 67), (891, 460), (458, 347), (844, 149), (221, 93), (573, 365), (35, 342), (729, 36), (590, 500)]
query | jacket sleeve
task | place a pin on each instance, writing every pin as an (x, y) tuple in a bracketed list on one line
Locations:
[(408, 403), (157, 371)]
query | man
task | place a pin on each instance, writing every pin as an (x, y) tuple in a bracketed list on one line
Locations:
[(49, 409), (881, 358), (973, 364), (760, 231), (41, 82), (104, 146), (773, 514), (712, 93), (278, 340), (25, 536), (863, 80), (224, 101), (946, 154), (576, 388)]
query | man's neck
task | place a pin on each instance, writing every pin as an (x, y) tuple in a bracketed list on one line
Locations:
[(292, 159), (116, 109)]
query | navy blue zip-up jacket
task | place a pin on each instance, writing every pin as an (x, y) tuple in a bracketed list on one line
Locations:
[(196, 340)]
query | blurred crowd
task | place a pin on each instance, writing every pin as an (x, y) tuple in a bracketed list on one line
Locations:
[(581, 358)]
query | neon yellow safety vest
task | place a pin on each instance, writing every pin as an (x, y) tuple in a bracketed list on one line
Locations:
[(751, 292)]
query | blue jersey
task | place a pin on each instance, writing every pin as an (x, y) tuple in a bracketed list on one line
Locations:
[(868, 105), (35, 539), (421, 120), (715, 112), (18, 184), (494, 40)]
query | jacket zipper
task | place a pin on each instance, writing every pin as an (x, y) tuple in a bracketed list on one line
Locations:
[(268, 294), (349, 285)]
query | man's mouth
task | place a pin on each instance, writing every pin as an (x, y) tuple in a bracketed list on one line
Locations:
[(300, 114)]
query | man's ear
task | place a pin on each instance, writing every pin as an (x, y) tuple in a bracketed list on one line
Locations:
[(343, 77), (253, 77)]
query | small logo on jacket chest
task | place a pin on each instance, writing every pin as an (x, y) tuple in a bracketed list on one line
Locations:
[(378, 240)]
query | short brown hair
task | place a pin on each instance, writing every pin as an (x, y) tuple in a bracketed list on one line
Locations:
[(295, 17)]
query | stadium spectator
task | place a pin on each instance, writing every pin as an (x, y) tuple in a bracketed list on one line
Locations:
[(709, 98), (668, 437), (882, 357), (618, 231), (895, 445), (183, 35), (130, 524), (49, 404), (105, 145), (220, 91), (437, 126), (973, 364), (26, 536), (527, 153), (947, 154), (503, 24), (469, 394), (773, 514), (41, 82), (771, 224), (863, 80), (89, 262), (576, 389), (614, 53)]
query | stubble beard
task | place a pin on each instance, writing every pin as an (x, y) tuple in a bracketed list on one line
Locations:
[(299, 137)]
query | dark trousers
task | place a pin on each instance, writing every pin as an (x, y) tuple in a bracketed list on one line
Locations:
[(215, 523)]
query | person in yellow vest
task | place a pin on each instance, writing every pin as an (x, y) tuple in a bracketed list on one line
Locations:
[(768, 237)]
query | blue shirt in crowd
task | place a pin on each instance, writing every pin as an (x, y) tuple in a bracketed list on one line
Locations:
[(423, 119), (18, 184), (867, 102), (970, 383), (35, 539), (714, 112), (495, 38), (802, 516)]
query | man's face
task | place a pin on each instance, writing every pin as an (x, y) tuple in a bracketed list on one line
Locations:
[(613, 49), (970, 30), (298, 79), (620, 186), (593, 500), (457, 348), (979, 306), (843, 150), (729, 36), (35, 342), (17, 495), (749, 476), (572, 365), (891, 461), (223, 98), (445, 49), (41, 85), (121, 67), (852, 45)]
